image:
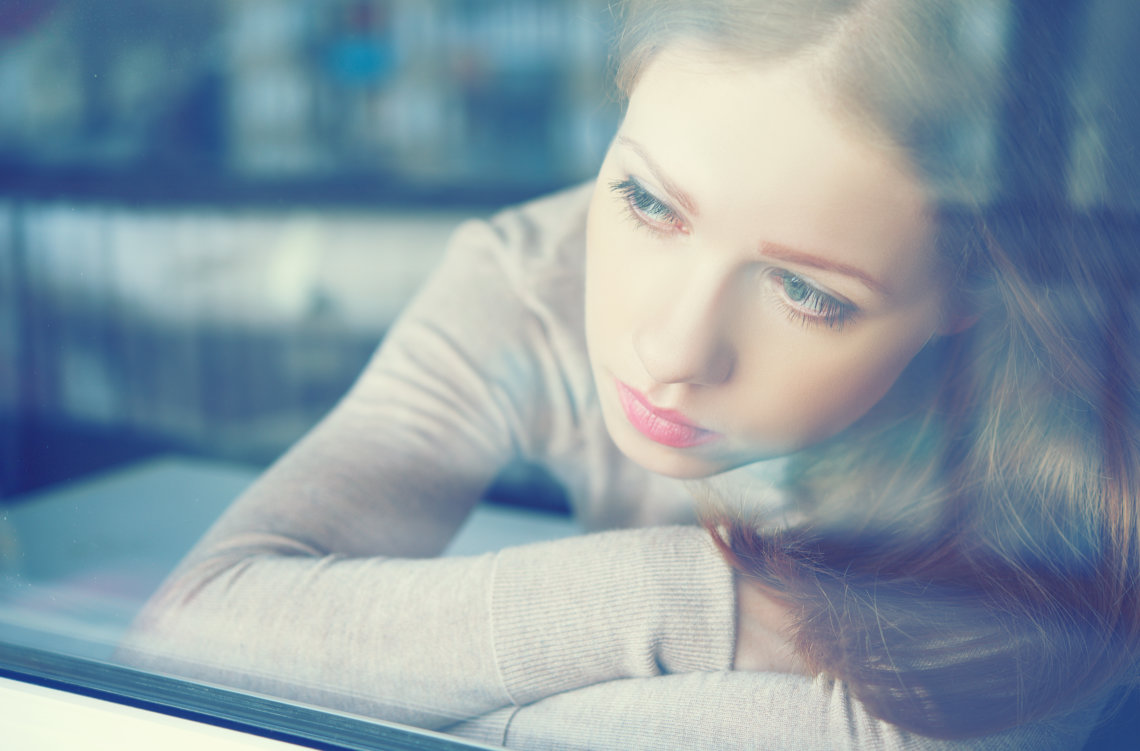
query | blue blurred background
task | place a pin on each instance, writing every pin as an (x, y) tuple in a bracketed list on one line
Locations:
[(346, 101), (211, 211)]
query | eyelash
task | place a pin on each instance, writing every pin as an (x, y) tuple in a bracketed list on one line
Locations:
[(645, 208), (815, 307)]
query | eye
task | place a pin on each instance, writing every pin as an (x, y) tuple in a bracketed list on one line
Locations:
[(645, 208), (809, 305)]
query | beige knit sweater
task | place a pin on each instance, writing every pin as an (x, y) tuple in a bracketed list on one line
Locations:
[(319, 584)]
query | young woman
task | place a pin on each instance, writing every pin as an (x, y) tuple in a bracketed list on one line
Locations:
[(915, 414)]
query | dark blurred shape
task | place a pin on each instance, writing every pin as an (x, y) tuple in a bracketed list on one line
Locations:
[(302, 101), (18, 16)]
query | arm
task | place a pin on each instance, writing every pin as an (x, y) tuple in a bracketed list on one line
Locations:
[(314, 585), (734, 710), (428, 642)]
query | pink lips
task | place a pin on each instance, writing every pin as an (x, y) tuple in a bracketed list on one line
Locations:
[(663, 426)]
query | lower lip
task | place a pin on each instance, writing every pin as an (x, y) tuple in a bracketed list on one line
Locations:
[(657, 427)]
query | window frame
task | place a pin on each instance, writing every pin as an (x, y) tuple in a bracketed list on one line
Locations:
[(304, 726)]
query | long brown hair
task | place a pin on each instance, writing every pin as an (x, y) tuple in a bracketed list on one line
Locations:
[(970, 558)]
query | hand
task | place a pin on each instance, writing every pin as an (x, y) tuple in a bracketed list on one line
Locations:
[(763, 632)]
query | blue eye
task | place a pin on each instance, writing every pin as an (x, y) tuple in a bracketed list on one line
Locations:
[(809, 305), (796, 289), (645, 208)]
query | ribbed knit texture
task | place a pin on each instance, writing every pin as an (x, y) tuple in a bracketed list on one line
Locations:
[(558, 627), (733, 712)]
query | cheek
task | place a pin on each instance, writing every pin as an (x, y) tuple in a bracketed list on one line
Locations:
[(814, 391), (855, 385), (614, 283), (603, 308)]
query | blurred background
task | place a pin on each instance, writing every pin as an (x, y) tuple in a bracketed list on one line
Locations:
[(211, 211), (341, 101)]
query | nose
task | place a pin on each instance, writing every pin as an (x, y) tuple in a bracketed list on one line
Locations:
[(688, 339)]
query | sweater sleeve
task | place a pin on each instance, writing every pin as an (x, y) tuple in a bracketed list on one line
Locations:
[(724, 711), (430, 642), (318, 584)]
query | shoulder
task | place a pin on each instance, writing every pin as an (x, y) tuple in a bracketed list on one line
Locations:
[(544, 237), (546, 218), (507, 304), (534, 252), (529, 261), (504, 260)]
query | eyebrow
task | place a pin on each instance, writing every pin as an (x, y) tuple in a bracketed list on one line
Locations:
[(683, 199), (772, 250), (790, 255)]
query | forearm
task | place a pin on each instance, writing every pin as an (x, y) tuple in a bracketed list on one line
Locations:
[(428, 642), (383, 638), (733, 710)]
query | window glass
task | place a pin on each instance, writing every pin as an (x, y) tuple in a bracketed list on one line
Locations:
[(567, 373)]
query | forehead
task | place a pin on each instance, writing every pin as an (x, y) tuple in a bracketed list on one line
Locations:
[(760, 148)]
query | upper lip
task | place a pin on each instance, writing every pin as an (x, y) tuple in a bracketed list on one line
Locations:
[(671, 415)]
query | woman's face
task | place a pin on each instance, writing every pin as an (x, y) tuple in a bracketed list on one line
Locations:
[(758, 273)]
